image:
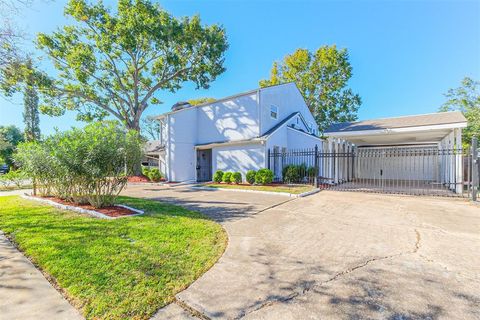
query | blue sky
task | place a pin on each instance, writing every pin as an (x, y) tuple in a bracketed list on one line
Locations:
[(405, 54)]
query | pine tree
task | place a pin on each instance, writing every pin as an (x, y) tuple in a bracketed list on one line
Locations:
[(30, 114)]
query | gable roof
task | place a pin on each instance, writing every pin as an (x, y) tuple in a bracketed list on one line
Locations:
[(431, 119), (227, 98)]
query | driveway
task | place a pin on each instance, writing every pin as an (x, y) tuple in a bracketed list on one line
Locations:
[(334, 255)]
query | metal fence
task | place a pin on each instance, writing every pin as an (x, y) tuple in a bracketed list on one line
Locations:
[(417, 170)]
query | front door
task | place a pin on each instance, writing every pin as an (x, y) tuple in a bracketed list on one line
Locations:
[(204, 165)]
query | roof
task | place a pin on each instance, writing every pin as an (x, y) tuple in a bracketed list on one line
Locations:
[(153, 146), (439, 118), (226, 98), (265, 136)]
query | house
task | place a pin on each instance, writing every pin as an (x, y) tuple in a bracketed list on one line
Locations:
[(421, 152), (234, 133)]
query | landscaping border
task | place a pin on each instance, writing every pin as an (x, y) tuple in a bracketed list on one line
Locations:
[(286, 194), (93, 213)]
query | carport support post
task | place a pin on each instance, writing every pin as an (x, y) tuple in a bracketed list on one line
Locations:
[(315, 180), (474, 168)]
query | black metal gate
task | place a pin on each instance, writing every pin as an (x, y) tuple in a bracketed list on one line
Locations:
[(416, 170)]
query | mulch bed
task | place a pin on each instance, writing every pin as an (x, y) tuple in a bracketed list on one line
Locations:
[(111, 211), (142, 179)]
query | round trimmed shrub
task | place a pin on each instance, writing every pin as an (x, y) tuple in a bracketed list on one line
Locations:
[(236, 177), (264, 176), (226, 177), (250, 176), (154, 175), (218, 176), (292, 174)]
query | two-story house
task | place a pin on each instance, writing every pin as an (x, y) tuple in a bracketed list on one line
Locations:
[(234, 133)]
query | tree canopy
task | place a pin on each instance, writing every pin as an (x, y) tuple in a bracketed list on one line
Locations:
[(466, 99), (31, 117), (115, 63), (322, 77), (10, 137), (198, 101)]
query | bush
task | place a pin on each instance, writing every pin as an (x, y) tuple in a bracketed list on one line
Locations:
[(16, 177), (236, 177), (312, 172), (295, 173), (88, 165), (250, 176), (218, 176), (226, 177), (264, 176), (154, 175), (291, 174)]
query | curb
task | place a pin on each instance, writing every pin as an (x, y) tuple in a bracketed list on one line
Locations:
[(285, 194), (93, 213)]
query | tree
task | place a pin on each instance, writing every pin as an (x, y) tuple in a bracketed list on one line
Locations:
[(114, 63), (150, 128), (322, 78), (466, 99), (31, 117), (10, 137), (198, 101)]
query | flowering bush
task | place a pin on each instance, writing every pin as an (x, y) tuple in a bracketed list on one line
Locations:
[(87, 165)]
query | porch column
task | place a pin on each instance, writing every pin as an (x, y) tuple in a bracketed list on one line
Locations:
[(459, 160)]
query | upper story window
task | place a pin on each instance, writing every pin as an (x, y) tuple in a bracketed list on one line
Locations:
[(274, 112)]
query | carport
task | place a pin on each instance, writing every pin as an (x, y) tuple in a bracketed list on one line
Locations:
[(420, 154)]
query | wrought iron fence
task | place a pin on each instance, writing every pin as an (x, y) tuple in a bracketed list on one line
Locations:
[(418, 170)]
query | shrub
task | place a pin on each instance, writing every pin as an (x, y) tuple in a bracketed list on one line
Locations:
[(226, 177), (291, 174), (218, 176), (16, 177), (154, 175), (145, 171), (88, 165), (250, 176), (264, 176), (236, 177), (312, 172)]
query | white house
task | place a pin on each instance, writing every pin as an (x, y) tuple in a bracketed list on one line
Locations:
[(234, 133)]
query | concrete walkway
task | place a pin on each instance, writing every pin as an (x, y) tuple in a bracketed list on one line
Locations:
[(24, 291), (334, 255)]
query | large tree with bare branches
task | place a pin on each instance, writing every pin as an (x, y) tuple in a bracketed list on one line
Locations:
[(115, 62)]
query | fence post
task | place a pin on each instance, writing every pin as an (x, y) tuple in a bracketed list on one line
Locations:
[(316, 171), (268, 158), (475, 163)]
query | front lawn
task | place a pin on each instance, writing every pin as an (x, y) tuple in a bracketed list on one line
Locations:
[(125, 268), (294, 189)]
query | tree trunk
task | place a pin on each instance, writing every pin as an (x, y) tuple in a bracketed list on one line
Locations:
[(135, 125)]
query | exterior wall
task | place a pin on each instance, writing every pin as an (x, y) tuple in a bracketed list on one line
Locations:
[(180, 148), (229, 120), (288, 99), (239, 158)]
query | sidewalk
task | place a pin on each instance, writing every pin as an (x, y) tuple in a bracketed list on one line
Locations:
[(24, 291)]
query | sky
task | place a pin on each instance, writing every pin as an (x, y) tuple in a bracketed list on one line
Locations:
[(405, 54)]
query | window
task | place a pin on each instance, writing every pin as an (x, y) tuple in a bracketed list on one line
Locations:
[(274, 112)]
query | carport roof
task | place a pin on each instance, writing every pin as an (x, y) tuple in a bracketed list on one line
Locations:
[(418, 129), (431, 119)]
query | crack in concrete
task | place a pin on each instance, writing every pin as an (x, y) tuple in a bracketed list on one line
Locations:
[(192, 311), (306, 289)]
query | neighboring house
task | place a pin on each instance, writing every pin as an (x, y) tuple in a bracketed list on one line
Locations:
[(234, 133)]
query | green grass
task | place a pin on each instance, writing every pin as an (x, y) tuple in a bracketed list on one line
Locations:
[(125, 268), (294, 189)]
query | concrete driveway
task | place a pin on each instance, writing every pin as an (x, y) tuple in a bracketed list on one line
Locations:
[(334, 255)]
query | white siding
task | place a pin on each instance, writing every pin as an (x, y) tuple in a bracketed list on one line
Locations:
[(182, 130), (239, 158), (288, 99), (228, 120)]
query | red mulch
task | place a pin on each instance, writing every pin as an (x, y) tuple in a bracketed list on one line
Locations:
[(111, 211), (141, 179), (137, 179)]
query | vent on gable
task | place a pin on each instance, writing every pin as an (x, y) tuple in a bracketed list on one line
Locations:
[(181, 105)]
